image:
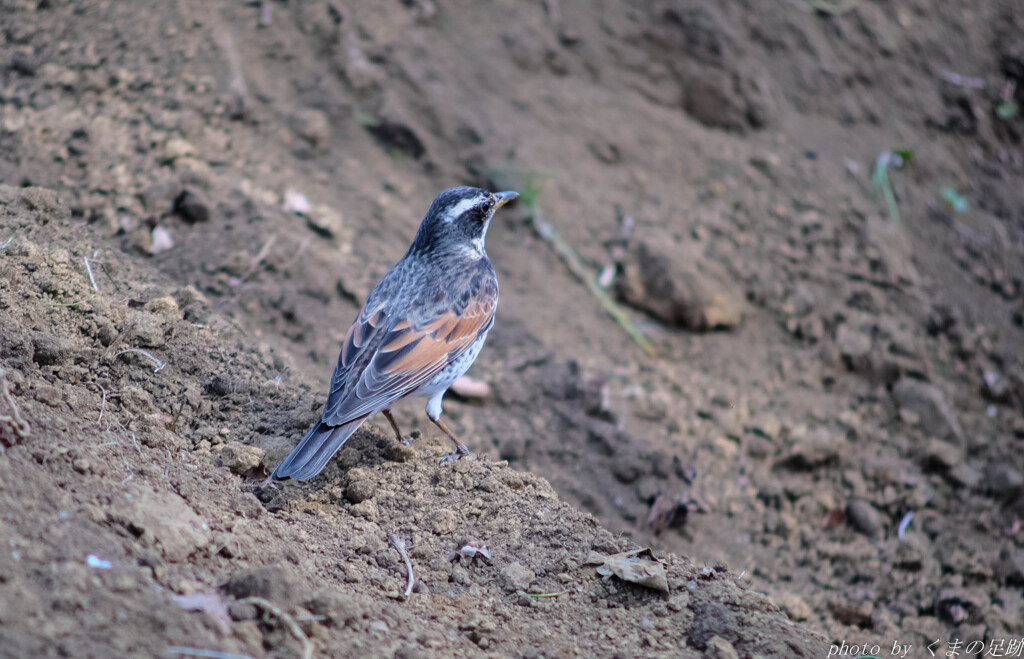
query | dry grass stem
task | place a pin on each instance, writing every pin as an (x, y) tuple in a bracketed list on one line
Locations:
[(293, 627), (399, 546)]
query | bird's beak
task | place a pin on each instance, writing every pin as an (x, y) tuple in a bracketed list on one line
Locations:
[(504, 198)]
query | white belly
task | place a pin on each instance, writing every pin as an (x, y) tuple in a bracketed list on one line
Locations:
[(435, 387)]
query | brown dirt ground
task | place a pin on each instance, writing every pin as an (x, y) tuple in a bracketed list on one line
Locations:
[(876, 371)]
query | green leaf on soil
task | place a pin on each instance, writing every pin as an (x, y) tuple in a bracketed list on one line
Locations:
[(1007, 110), (955, 200)]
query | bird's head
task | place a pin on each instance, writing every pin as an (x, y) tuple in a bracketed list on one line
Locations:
[(457, 220)]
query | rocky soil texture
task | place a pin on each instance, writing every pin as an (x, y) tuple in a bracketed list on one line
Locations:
[(196, 196)]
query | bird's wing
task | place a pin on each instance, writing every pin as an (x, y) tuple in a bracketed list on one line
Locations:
[(385, 358)]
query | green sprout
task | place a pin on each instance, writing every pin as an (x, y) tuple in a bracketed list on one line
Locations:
[(955, 200), (1007, 110), (880, 178), (529, 190)]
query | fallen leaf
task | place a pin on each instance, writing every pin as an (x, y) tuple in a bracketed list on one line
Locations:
[(95, 561), (162, 240), (638, 566), (212, 604), (470, 549), (296, 202), (467, 387)]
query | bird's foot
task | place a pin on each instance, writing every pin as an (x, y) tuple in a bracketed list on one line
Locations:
[(461, 451), (404, 440), (401, 449), (256, 485)]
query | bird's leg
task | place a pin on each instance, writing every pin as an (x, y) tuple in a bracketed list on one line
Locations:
[(394, 424), (461, 450)]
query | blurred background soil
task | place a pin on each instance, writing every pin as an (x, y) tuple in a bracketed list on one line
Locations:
[(833, 416)]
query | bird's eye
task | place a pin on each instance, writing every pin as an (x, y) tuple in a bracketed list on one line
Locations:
[(479, 213)]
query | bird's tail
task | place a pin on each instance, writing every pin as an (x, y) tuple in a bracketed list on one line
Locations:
[(315, 450)]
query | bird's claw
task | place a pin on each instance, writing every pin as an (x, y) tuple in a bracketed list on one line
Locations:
[(461, 451), (405, 440), (258, 485)]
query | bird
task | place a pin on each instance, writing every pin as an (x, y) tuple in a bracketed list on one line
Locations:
[(419, 330)]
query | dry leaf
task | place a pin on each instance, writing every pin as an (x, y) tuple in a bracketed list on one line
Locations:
[(161, 240), (296, 202), (470, 549), (638, 566), (467, 387), (212, 604)]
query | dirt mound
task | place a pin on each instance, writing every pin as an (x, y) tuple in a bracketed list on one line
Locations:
[(835, 406), (123, 513)]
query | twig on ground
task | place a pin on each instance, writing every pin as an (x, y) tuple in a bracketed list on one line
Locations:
[(969, 234), (961, 81), (103, 404), (92, 279), (1009, 89), (240, 102), (106, 271), (293, 627), (298, 253), (19, 425), (617, 251), (207, 654), (880, 178), (399, 546), (181, 407), (254, 264), (904, 524), (576, 267), (139, 351)]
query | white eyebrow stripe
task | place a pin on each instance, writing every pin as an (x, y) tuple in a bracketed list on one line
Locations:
[(460, 208)]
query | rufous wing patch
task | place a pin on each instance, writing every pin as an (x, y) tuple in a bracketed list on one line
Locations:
[(406, 357), (429, 347)]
